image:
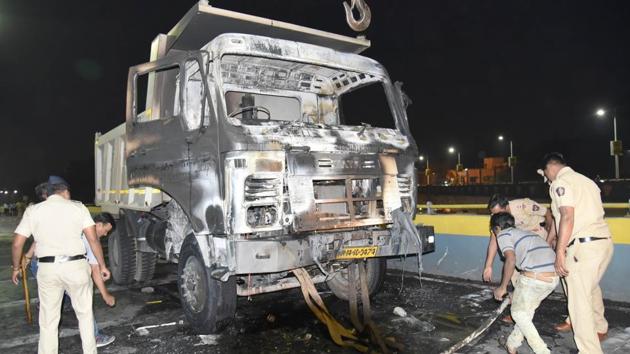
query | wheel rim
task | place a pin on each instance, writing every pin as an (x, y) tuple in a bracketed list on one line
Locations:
[(193, 285)]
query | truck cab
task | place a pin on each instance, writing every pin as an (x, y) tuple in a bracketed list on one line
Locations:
[(253, 147)]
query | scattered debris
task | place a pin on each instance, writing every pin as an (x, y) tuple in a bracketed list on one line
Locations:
[(155, 302), (307, 336), (415, 323), (208, 339), (147, 290), (271, 318), (144, 330), (399, 311)]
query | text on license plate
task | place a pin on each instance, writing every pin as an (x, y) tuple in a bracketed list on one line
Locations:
[(357, 252)]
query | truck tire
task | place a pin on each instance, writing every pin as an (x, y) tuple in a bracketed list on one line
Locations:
[(376, 269), (145, 266), (122, 258), (209, 304)]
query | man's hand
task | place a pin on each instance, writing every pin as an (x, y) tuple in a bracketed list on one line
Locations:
[(109, 299), (560, 265), (487, 274), (15, 276), (499, 293), (105, 274)]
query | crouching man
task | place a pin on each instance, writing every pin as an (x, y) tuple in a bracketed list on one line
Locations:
[(535, 259)]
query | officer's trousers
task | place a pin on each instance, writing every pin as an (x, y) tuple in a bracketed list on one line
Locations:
[(587, 263), (75, 278)]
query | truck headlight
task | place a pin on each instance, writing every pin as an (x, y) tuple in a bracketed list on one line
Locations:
[(262, 215)]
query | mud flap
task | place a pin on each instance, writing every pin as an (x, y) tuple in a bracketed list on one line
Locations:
[(404, 233)]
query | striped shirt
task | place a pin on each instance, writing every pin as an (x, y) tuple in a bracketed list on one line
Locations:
[(533, 254)]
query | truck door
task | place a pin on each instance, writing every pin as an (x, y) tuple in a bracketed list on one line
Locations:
[(171, 140)]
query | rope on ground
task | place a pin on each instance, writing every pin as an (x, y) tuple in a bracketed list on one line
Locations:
[(481, 328)]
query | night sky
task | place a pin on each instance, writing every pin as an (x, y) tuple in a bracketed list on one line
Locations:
[(534, 71)]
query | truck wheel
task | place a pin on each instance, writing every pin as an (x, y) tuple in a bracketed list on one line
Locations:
[(145, 266), (122, 257), (376, 268), (209, 304)]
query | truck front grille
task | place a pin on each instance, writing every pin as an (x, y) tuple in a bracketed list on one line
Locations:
[(257, 188), (348, 198), (404, 184)]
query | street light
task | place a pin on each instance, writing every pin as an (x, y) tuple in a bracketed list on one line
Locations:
[(616, 147), (15, 192), (511, 159)]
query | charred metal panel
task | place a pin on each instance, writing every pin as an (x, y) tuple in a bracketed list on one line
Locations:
[(331, 191), (254, 190)]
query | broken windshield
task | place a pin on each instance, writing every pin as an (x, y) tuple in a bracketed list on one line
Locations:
[(264, 89)]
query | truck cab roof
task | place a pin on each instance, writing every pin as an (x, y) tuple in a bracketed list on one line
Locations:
[(292, 52)]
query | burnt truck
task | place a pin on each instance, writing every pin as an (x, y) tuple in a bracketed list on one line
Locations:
[(252, 147)]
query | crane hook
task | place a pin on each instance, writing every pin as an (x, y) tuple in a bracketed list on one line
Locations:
[(365, 15)]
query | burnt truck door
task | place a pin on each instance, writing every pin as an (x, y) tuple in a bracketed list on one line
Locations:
[(171, 133)]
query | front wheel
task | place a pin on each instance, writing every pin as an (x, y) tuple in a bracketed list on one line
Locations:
[(376, 269), (209, 304)]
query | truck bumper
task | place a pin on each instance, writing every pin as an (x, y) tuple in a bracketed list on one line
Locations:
[(286, 253)]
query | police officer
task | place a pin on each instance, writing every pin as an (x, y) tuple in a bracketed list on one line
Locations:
[(57, 224), (583, 251)]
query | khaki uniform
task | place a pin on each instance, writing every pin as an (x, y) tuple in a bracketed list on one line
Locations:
[(528, 215), (57, 224), (585, 262)]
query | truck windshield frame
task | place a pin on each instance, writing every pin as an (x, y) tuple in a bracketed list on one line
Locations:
[(318, 90)]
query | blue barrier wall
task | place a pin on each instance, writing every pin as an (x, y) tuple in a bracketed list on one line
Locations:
[(463, 257)]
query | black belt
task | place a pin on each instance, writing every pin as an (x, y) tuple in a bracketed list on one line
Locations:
[(60, 259), (586, 239)]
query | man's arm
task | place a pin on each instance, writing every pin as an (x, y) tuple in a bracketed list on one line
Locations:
[(508, 270), (565, 230), (100, 284), (16, 253), (90, 235), (490, 254)]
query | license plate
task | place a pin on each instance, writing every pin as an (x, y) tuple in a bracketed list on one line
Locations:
[(357, 252)]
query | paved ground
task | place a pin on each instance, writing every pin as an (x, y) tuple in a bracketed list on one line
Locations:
[(441, 312)]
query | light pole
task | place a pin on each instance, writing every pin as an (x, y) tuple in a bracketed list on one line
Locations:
[(616, 147), (427, 170), (511, 159), (459, 166)]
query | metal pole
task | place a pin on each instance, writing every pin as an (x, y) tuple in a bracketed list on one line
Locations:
[(511, 162), (459, 162), (615, 139), (428, 174)]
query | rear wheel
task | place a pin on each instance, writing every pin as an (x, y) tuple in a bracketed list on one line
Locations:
[(145, 266), (122, 257), (376, 269), (209, 304)]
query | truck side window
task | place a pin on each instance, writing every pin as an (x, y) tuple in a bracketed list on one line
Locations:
[(157, 94), (195, 106)]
